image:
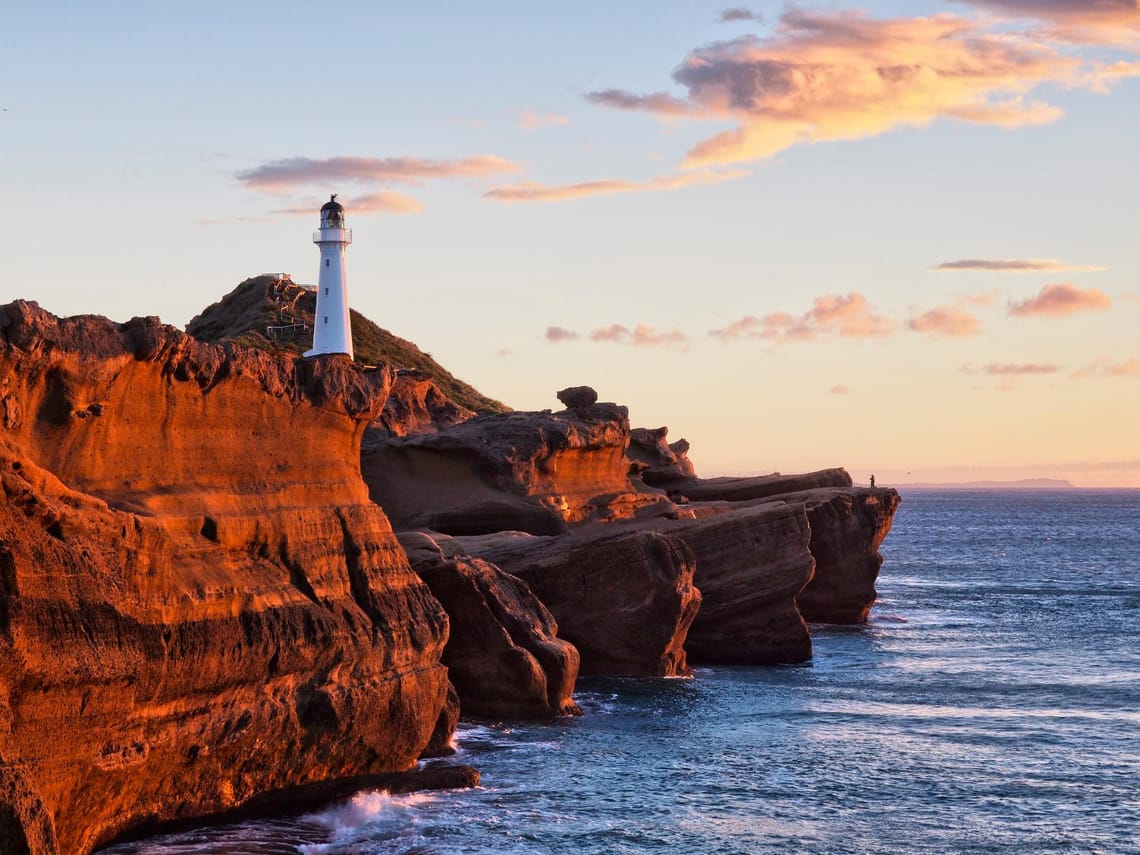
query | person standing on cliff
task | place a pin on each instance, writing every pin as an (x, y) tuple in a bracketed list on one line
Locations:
[(872, 480)]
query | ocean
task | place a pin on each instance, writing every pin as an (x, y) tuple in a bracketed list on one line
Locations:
[(992, 704)]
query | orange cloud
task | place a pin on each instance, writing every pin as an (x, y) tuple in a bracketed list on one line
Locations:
[(642, 335), (946, 321), (1061, 300), (384, 202), (1105, 368), (557, 334), (844, 75), (282, 175), (839, 390), (538, 121), (844, 316), (531, 191), (1017, 265)]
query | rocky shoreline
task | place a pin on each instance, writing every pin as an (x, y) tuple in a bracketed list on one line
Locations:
[(233, 580)]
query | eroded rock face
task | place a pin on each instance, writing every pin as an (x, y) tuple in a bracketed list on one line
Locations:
[(625, 599), (847, 529), (199, 605), (417, 405), (503, 654), (532, 472), (751, 563), (657, 461)]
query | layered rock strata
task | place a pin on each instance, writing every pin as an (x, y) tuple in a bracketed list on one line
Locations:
[(847, 529), (503, 654), (624, 599), (199, 605), (532, 472)]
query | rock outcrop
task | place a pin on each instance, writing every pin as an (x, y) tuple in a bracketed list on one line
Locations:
[(199, 605), (532, 472), (417, 405), (847, 529), (624, 598), (503, 654)]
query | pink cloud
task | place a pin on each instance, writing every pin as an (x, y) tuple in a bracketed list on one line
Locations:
[(946, 321), (1106, 368), (1087, 21), (538, 121), (641, 335), (282, 175), (557, 334), (839, 390), (842, 75), (1016, 265), (383, 202), (996, 369), (530, 191), (1061, 300), (833, 315)]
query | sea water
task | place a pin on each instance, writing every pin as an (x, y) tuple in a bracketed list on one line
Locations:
[(992, 704)]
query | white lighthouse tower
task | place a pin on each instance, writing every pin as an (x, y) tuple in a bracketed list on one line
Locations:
[(332, 332)]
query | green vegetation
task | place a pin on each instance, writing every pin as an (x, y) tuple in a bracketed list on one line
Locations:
[(245, 314)]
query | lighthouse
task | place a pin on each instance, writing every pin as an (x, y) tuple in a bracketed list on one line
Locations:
[(332, 332)]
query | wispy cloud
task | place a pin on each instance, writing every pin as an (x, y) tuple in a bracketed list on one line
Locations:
[(839, 390), (557, 334), (659, 103), (1016, 265), (1016, 369), (1061, 300), (833, 315), (981, 300), (946, 321), (1082, 21), (383, 202), (1108, 368), (290, 173), (641, 335), (841, 75), (538, 121), (739, 13), (530, 191)]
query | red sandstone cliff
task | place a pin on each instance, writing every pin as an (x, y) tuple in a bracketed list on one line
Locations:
[(530, 472), (198, 602)]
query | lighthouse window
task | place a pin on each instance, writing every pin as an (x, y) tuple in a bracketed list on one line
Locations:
[(326, 262), (326, 292), (326, 319)]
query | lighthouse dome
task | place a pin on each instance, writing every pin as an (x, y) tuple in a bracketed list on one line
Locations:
[(332, 214)]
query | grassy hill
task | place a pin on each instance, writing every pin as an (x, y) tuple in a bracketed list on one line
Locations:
[(247, 314)]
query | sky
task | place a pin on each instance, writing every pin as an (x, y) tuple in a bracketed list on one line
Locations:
[(894, 236)]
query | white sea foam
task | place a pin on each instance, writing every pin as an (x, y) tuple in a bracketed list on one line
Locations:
[(346, 820)]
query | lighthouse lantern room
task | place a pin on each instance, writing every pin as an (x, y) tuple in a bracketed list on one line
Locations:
[(332, 332)]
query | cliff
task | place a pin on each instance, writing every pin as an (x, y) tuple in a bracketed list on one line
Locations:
[(525, 471), (199, 605)]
